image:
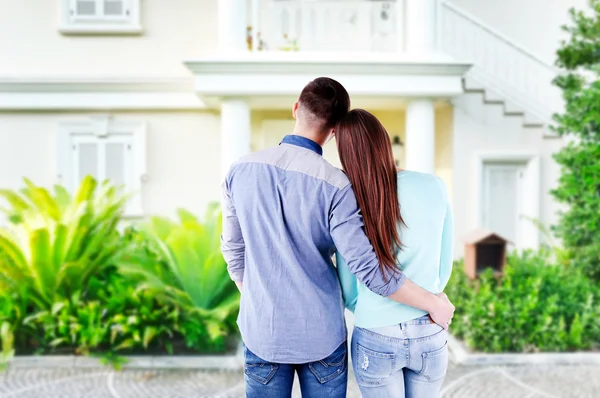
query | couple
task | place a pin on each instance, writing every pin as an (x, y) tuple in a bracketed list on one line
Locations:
[(287, 211)]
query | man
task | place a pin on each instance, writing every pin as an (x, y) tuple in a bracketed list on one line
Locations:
[(285, 211)]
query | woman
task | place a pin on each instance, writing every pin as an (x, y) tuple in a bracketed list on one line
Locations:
[(397, 350)]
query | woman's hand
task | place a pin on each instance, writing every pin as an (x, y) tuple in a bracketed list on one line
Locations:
[(443, 311)]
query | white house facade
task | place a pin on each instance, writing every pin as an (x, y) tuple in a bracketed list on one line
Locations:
[(162, 96)]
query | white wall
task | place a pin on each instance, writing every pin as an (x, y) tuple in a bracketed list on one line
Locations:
[(182, 153), (533, 24), (484, 127), (174, 30)]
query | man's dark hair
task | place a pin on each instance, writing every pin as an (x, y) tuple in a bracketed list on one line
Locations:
[(324, 103)]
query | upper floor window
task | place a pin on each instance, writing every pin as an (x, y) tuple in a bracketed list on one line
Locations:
[(100, 16)]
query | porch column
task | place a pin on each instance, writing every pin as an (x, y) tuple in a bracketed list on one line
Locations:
[(232, 26), (420, 136), (235, 131), (421, 26)]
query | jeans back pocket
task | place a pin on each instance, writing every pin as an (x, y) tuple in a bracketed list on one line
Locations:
[(329, 368), (372, 367), (257, 368), (435, 363)]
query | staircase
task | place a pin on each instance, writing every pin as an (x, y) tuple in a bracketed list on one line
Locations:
[(503, 73)]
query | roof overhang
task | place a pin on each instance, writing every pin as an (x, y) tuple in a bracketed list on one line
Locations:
[(280, 74), (31, 94)]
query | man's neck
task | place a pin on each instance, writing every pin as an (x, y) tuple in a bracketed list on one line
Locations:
[(311, 135)]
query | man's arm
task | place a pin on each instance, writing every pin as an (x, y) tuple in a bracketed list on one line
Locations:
[(346, 227), (348, 282), (232, 241), (438, 306)]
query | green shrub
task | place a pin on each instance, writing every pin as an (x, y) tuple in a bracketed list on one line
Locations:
[(182, 264), (534, 307), (70, 282), (55, 244), (120, 319), (579, 184)]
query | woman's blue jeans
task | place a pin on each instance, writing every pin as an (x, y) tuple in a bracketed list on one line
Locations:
[(408, 360)]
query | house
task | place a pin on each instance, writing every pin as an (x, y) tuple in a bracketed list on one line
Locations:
[(162, 95)]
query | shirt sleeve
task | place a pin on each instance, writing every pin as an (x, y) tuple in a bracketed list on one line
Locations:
[(348, 281), (346, 228), (232, 241), (447, 252)]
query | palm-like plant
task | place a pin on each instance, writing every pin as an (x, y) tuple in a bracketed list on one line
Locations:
[(183, 264), (55, 243)]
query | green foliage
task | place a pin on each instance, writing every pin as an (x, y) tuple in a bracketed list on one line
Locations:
[(579, 184), (182, 264), (534, 307), (70, 282), (55, 244), (117, 318), (122, 320)]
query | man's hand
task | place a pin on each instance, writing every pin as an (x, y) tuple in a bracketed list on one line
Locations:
[(443, 311)]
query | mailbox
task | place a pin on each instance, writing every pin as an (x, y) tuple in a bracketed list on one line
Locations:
[(484, 249)]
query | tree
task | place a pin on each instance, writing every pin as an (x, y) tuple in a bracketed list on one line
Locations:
[(579, 183)]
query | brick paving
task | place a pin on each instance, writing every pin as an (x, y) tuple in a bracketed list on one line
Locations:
[(463, 382)]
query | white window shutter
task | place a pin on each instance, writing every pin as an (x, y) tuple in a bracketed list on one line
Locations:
[(87, 161), (115, 8), (100, 16), (119, 156), (116, 156), (85, 8)]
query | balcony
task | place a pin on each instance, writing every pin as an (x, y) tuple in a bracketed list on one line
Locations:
[(326, 25), (382, 50)]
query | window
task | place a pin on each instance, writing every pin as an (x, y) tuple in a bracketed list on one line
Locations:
[(507, 187), (503, 198), (100, 16), (105, 149)]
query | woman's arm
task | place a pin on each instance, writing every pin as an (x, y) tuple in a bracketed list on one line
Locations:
[(348, 281), (348, 236), (447, 252)]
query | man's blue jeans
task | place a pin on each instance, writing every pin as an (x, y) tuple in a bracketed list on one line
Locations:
[(325, 378)]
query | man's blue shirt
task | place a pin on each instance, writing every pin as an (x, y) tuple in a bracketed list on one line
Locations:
[(285, 211)]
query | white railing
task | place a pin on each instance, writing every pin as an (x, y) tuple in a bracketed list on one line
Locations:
[(500, 65), (326, 25)]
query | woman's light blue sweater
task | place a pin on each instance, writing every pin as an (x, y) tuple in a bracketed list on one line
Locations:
[(425, 258)]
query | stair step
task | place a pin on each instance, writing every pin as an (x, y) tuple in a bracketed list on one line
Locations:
[(512, 108), (532, 121), (471, 85)]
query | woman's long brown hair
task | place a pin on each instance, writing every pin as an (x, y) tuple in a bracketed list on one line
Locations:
[(366, 153)]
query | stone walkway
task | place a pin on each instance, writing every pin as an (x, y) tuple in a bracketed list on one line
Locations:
[(461, 382)]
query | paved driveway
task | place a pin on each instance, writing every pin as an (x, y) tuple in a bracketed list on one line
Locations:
[(462, 382)]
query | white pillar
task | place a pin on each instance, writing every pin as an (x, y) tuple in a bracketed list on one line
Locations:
[(420, 136), (421, 26), (232, 26), (235, 131)]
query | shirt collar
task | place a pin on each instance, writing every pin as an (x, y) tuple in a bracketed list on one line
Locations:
[(303, 143)]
